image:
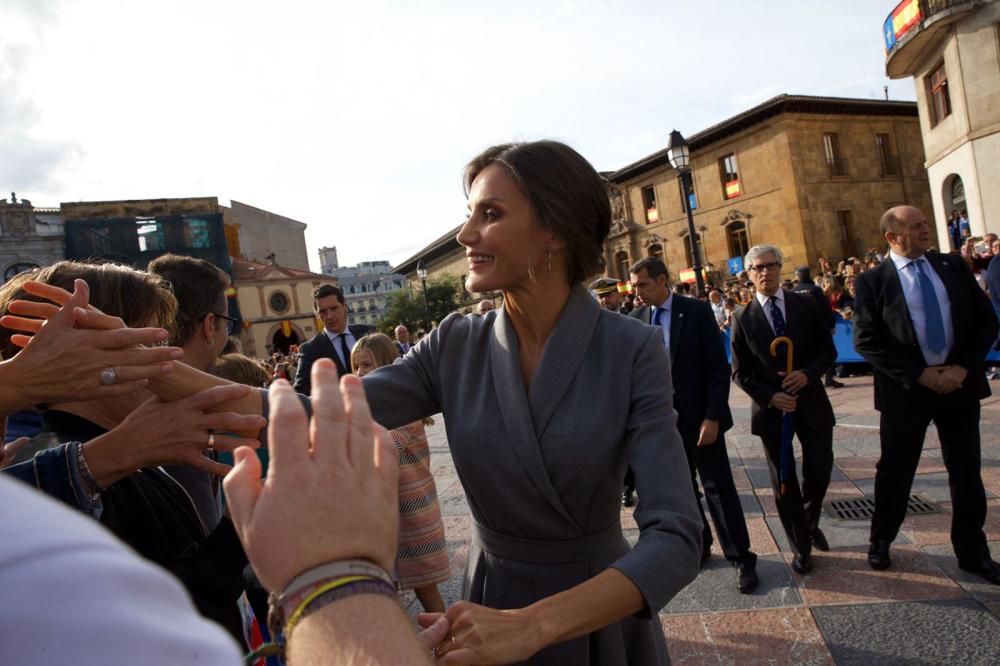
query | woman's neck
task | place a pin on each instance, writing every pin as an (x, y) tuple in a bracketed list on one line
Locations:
[(534, 311)]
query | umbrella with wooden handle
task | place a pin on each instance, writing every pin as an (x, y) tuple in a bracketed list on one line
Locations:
[(787, 460)]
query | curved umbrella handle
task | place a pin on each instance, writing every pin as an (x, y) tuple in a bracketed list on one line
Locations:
[(789, 346)]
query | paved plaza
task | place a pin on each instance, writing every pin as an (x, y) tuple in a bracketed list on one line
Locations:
[(923, 610)]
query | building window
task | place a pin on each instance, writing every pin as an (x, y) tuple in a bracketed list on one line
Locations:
[(649, 205), (738, 238), (17, 269), (729, 171), (655, 250), (938, 99), (621, 259), (844, 224), (887, 160), (279, 302), (834, 160)]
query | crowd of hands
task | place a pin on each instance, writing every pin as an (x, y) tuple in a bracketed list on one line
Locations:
[(330, 493)]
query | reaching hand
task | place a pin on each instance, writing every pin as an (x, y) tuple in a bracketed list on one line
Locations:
[(9, 451), (171, 433), (709, 432), (60, 363), (331, 488)]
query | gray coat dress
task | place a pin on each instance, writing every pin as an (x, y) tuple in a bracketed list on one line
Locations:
[(542, 469)]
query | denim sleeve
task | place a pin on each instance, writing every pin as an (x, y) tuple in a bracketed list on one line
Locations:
[(56, 472)]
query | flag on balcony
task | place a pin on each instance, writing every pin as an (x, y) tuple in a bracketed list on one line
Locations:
[(733, 189)]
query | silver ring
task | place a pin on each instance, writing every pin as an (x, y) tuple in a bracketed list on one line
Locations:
[(211, 441), (108, 376)]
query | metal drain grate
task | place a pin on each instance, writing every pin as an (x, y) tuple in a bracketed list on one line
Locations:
[(863, 508)]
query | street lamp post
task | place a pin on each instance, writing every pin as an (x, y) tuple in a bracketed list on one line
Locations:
[(680, 160), (422, 274)]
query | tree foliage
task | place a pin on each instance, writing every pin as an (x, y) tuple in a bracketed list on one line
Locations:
[(406, 306)]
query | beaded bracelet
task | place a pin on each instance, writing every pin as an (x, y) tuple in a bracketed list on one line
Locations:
[(89, 484)]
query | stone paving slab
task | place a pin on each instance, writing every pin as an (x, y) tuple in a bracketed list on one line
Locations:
[(778, 636), (839, 533), (842, 576), (715, 588), (928, 632), (943, 556)]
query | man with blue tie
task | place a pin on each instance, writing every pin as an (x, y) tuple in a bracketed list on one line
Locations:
[(335, 341), (925, 325), (700, 376), (774, 313)]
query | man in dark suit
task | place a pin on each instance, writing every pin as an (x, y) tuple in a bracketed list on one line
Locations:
[(925, 326), (700, 375), (772, 313), (402, 341), (335, 341)]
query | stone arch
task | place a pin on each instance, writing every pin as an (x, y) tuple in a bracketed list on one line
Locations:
[(276, 338)]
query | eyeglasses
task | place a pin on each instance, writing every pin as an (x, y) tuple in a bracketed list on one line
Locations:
[(230, 321), (762, 268)]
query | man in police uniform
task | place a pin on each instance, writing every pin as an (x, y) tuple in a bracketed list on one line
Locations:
[(607, 294)]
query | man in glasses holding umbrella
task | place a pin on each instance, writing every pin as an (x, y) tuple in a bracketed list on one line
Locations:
[(787, 402)]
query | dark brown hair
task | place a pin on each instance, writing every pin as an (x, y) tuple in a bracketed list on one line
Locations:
[(325, 290), (566, 193), (653, 266), (198, 287), (139, 298)]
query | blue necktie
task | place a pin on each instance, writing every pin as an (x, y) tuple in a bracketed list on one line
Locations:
[(933, 319), (656, 316), (777, 319)]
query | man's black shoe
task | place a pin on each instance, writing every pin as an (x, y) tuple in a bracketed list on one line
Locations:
[(802, 564), (833, 383), (878, 555), (746, 577), (819, 540), (628, 497), (985, 567)]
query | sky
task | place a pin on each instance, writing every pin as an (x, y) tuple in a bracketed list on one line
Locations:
[(357, 117)]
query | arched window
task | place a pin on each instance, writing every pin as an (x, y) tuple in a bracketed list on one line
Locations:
[(655, 250), (738, 239), (623, 264), (957, 193)]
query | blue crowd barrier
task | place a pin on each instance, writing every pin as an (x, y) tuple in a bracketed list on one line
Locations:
[(843, 340)]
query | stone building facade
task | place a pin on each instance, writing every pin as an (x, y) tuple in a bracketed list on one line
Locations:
[(809, 174), (276, 304), (445, 257), (29, 237), (266, 236), (951, 49)]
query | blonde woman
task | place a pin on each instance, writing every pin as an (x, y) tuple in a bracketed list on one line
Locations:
[(422, 555)]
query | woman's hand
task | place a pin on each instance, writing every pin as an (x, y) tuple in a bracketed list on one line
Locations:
[(171, 433), (60, 362), (331, 487), (8, 452), (481, 635)]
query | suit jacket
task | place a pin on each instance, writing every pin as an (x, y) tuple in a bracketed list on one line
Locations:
[(542, 467), (318, 347), (698, 365), (756, 371), (884, 335)]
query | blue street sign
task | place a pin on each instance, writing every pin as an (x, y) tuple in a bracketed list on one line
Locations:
[(692, 202), (734, 265)]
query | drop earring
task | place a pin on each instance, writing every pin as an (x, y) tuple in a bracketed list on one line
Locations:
[(550, 260)]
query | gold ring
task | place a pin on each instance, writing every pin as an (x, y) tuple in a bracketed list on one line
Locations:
[(211, 441), (442, 650)]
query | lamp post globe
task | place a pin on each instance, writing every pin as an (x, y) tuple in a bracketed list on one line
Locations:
[(679, 156)]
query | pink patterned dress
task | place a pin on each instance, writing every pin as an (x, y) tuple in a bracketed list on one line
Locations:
[(422, 558)]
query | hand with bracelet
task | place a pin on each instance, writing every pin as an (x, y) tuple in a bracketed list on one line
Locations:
[(324, 520)]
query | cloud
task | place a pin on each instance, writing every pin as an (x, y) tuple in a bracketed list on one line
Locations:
[(30, 163)]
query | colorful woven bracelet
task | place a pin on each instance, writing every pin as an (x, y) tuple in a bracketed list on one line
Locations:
[(342, 591)]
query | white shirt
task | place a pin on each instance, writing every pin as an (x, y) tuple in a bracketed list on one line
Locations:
[(915, 303), (74, 594), (664, 308), (779, 296), (335, 339)]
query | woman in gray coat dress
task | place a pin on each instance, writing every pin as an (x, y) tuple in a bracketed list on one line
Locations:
[(545, 402)]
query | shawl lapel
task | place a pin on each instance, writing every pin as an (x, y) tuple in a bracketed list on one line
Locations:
[(515, 410), (564, 352)]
